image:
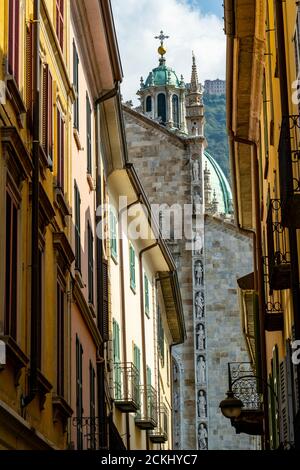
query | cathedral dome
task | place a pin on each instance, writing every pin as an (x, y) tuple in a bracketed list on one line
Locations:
[(219, 186), (161, 76)]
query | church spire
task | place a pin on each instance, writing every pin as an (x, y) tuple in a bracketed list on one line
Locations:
[(195, 87)]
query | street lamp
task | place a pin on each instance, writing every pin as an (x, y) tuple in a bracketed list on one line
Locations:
[(231, 407)]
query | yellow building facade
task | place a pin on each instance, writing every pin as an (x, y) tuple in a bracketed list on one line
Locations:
[(263, 124)]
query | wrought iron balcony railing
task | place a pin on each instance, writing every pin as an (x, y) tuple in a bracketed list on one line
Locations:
[(159, 435), (146, 417), (289, 167), (126, 387), (87, 432), (273, 303), (243, 383), (279, 266)]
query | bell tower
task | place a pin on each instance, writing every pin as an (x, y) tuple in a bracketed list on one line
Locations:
[(194, 104)]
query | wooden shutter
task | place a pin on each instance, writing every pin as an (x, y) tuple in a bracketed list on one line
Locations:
[(88, 135), (283, 404), (105, 300), (75, 83), (47, 114), (77, 228), (149, 376), (60, 22), (29, 75), (50, 120), (11, 266), (60, 151)]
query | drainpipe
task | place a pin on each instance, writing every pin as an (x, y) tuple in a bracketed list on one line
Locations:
[(35, 281), (103, 437), (144, 250), (260, 283)]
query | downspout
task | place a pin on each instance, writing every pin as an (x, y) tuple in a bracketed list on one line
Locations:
[(35, 280), (144, 250), (260, 283), (102, 410)]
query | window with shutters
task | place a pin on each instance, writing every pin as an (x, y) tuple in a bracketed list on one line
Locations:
[(132, 267), (160, 337), (60, 150), (47, 114), (13, 39), (105, 318), (77, 202), (79, 403), (92, 407), (113, 235), (89, 135), (29, 76), (11, 266), (76, 88), (137, 359), (59, 12), (117, 358), (146, 296), (90, 264), (60, 309)]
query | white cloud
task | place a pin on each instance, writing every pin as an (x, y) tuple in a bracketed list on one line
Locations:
[(138, 21)]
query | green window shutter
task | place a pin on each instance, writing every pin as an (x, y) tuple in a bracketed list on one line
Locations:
[(113, 234), (149, 378), (137, 358), (116, 356), (146, 288), (132, 266)]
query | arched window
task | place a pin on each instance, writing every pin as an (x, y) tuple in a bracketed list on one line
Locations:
[(161, 107), (175, 106), (148, 104)]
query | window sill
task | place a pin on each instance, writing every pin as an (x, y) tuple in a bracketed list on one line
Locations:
[(61, 411), (14, 95), (78, 278), (15, 355), (61, 203), (114, 258), (91, 182), (77, 138)]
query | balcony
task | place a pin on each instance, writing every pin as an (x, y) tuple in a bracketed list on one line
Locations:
[(126, 387), (243, 383), (146, 417), (273, 304), (289, 167), (87, 428), (159, 435), (279, 266)]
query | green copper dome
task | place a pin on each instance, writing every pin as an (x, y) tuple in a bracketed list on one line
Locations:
[(219, 184), (162, 75)]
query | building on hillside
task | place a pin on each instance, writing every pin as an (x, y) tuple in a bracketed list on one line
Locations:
[(166, 143), (263, 125), (215, 87)]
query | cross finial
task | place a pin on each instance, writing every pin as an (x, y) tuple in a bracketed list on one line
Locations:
[(161, 37)]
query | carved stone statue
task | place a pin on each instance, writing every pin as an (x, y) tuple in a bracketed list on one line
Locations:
[(198, 271), (202, 437), (195, 170), (200, 337), (201, 370), (199, 305), (197, 200), (198, 244), (201, 404)]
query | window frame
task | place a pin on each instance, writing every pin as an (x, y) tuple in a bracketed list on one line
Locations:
[(146, 296), (60, 147), (14, 39), (76, 87), (132, 268), (113, 224), (60, 20), (88, 134), (60, 329), (77, 227)]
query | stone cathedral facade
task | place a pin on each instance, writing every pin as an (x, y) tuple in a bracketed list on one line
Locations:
[(166, 143)]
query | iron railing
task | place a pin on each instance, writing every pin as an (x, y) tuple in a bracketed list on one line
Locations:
[(160, 433), (88, 432), (126, 387), (279, 267), (289, 168), (243, 383), (273, 303), (146, 417)]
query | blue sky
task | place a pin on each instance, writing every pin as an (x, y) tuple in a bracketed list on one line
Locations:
[(192, 25), (209, 6)]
